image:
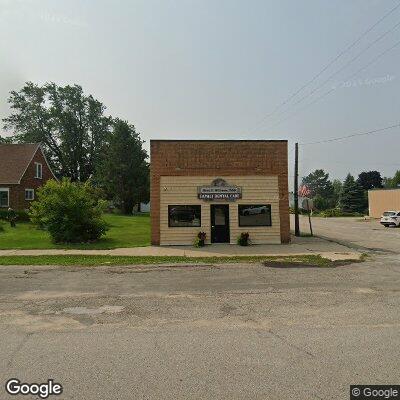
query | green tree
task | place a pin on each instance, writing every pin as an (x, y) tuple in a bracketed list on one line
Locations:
[(392, 183), (124, 171), (323, 203), (370, 180), (318, 182), (337, 188), (4, 140), (70, 125), (386, 182), (70, 211), (352, 196)]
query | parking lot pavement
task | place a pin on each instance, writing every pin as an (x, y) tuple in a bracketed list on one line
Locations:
[(361, 233), (201, 332)]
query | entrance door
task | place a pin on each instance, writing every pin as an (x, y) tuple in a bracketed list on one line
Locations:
[(220, 223)]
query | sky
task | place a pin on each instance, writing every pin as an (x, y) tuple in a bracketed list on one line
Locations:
[(221, 69)]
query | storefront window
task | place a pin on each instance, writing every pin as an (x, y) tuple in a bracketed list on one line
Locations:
[(184, 215), (255, 215)]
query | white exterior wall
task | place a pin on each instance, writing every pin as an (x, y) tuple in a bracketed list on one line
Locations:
[(175, 190)]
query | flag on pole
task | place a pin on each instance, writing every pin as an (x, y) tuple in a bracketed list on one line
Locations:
[(304, 191)]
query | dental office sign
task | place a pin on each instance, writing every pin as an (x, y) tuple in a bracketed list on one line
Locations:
[(219, 190)]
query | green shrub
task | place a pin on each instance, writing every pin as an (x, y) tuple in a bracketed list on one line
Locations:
[(200, 239), (1, 226), (323, 203), (69, 211), (22, 216), (337, 212), (332, 212)]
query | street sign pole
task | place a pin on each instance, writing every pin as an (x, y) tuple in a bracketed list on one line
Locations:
[(309, 217)]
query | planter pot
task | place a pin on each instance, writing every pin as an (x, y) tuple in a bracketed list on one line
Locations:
[(201, 243)]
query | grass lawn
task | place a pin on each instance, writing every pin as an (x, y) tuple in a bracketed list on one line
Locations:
[(125, 231), (97, 260)]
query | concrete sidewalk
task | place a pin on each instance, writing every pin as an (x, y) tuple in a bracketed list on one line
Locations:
[(299, 246)]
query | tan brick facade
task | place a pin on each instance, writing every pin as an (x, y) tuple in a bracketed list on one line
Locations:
[(28, 181), (219, 159)]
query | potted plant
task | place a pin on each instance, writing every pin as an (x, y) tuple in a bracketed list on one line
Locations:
[(200, 239), (243, 239)]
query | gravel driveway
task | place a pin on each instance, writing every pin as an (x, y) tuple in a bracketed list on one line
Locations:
[(358, 232)]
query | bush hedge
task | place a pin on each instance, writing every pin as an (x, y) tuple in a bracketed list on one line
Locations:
[(22, 216), (331, 212), (336, 212), (71, 212)]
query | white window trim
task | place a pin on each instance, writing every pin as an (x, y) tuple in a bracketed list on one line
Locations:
[(36, 170), (33, 197), (8, 196)]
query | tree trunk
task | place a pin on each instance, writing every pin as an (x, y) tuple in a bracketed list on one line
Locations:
[(127, 207)]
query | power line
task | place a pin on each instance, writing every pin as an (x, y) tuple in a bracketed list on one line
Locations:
[(352, 135), (373, 60), (346, 65), (333, 89), (307, 159), (349, 47)]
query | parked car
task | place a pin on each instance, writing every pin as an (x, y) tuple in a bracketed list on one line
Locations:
[(390, 218), (182, 214), (255, 210)]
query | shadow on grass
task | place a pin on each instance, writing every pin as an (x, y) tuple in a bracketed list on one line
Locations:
[(100, 244)]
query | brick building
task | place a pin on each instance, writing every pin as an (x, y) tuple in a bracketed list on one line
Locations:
[(220, 187), (23, 169)]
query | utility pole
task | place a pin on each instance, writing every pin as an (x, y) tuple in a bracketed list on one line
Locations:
[(296, 190)]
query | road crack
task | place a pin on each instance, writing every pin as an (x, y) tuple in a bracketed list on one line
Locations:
[(290, 344), (19, 348)]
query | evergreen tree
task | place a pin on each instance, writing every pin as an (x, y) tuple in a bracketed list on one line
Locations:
[(352, 196), (337, 189), (321, 189), (319, 184), (124, 170)]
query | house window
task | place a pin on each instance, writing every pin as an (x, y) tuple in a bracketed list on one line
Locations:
[(180, 215), (255, 215), (29, 194), (4, 197), (38, 171)]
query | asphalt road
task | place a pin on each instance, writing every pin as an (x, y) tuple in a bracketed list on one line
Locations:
[(204, 332), (358, 232)]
